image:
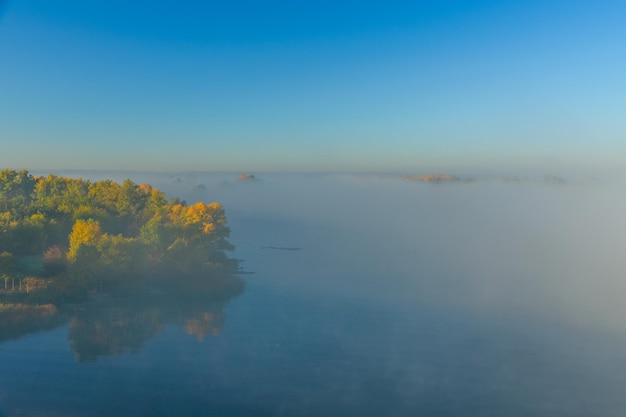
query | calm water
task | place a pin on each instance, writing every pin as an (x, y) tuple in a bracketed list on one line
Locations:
[(329, 329)]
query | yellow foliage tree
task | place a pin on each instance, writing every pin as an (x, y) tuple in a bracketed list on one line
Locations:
[(84, 232)]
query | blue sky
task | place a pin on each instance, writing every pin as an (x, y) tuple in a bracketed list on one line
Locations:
[(313, 85)]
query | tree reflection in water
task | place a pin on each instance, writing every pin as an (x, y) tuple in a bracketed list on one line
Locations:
[(115, 325)]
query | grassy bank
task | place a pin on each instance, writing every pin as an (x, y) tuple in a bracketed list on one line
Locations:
[(18, 319)]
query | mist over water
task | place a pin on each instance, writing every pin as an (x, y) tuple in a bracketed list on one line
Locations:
[(534, 246), (381, 296)]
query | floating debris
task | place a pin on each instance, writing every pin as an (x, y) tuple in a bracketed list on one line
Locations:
[(280, 248)]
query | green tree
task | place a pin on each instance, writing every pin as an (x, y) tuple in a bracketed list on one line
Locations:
[(7, 267)]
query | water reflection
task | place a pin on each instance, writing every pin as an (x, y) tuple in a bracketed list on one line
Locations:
[(17, 320), (114, 325), (118, 326)]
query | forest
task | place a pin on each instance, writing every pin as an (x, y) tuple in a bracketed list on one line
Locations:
[(62, 239)]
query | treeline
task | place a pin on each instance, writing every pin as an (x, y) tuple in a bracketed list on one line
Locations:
[(104, 236)]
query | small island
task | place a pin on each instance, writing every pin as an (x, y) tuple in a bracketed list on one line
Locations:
[(66, 240), (247, 177), (435, 178)]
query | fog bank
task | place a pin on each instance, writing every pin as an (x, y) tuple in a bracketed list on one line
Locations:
[(542, 247)]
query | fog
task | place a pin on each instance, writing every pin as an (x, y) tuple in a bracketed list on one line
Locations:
[(530, 248), (366, 295), (546, 247)]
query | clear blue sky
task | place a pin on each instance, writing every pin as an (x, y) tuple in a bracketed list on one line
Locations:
[(312, 85)]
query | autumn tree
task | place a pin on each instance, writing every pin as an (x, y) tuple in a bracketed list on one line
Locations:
[(84, 233), (114, 234)]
